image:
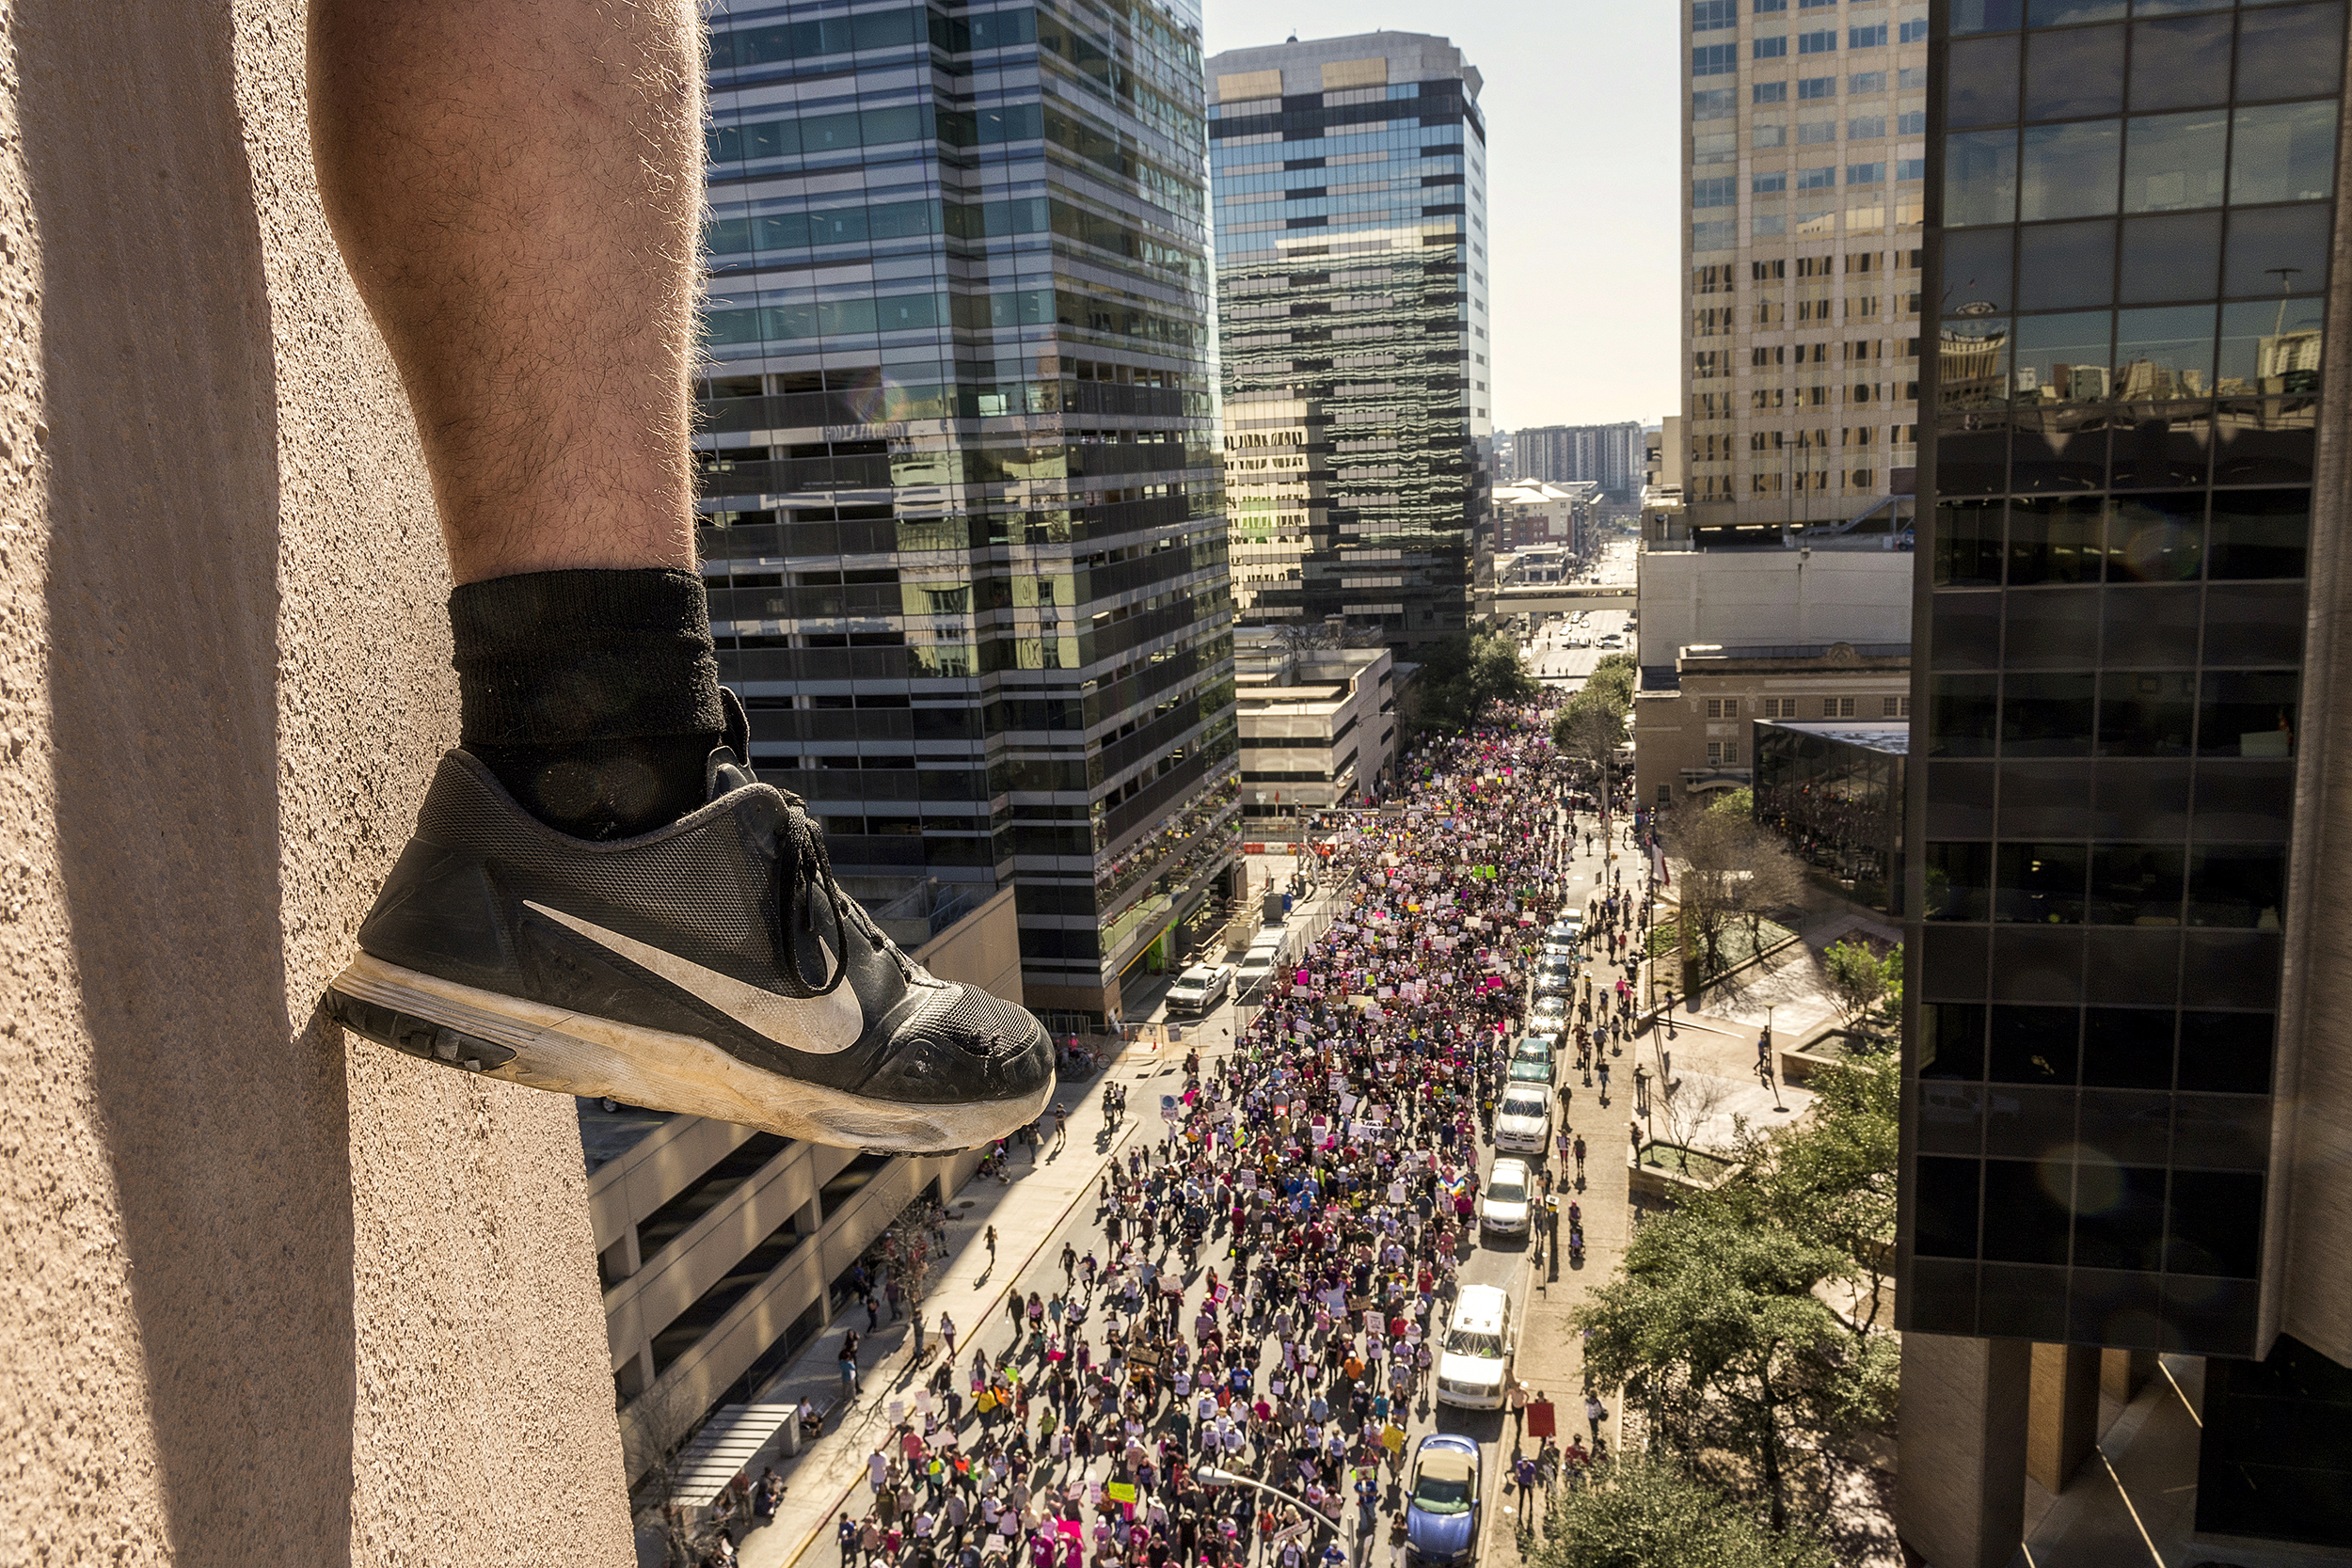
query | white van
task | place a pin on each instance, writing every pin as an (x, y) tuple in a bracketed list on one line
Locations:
[(1474, 1360)]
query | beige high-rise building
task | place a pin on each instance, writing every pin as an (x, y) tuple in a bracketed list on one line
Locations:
[(1806, 127)]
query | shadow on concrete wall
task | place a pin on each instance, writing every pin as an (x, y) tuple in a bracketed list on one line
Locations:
[(229, 1133)]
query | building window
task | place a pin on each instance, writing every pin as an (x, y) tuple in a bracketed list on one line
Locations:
[(1816, 179), (1866, 126), (1866, 174), (1897, 708), (1714, 193), (1723, 752), (1714, 16), (1722, 707), (1768, 184), (1823, 42), (1837, 707), (1867, 81), (1911, 168), (1817, 86), (1770, 92), (1714, 104), (1772, 48), (1867, 38), (1912, 32), (1780, 707), (1715, 60)]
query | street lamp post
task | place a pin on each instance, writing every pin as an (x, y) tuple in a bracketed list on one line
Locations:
[(1227, 1478)]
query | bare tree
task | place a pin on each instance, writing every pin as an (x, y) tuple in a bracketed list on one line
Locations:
[(655, 1430), (1732, 872), (1687, 1104)]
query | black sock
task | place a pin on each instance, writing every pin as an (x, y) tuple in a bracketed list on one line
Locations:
[(592, 695)]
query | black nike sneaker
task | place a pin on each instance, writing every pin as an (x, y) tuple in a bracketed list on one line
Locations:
[(712, 967)]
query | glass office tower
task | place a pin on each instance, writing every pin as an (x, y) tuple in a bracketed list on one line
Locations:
[(963, 525), (1351, 254), (2125, 1089), (2135, 219)]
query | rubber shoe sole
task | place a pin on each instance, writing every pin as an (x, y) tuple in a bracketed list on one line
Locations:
[(520, 1041)]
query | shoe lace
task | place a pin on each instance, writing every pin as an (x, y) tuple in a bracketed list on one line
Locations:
[(803, 880)]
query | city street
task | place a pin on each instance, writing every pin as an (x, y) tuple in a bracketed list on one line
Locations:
[(1047, 1216), (1563, 649)]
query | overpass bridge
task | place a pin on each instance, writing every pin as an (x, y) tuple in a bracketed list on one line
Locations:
[(1555, 599)]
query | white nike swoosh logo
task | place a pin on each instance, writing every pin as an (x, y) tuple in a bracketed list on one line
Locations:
[(820, 1026)]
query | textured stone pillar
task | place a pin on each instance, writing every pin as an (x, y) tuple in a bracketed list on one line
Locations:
[(2062, 1423), (2123, 1373), (1959, 1496), (273, 1295)]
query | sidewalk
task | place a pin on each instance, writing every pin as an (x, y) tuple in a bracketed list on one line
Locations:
[(967, 1285)]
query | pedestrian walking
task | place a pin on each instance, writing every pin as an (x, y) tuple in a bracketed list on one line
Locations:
[(1595, 1413), (947, 1334), (1579, 1147), (992, 1246)]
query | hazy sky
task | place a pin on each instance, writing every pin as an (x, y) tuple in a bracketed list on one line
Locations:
[(1583, 180)]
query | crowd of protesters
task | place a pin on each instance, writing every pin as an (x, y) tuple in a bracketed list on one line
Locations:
[(1274, 1267)]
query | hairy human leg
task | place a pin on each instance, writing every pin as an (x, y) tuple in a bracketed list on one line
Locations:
[(515, 185)]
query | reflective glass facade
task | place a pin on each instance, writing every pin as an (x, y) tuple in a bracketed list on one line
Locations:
[(1351, 254), (964, 530), (1835, 793), (2129, 221)]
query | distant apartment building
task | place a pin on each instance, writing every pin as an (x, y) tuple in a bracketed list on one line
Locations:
[(962, 516), (1608, 455), (1807, 146), (1351, 254), (1535, 514)]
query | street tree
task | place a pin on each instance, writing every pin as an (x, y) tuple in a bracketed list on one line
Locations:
[(1829, 1179), (1730, 873), (655, 1434), (1462, 677), (1861, 977), (1687, 1104), (1642, 1513), (1713, 1329)]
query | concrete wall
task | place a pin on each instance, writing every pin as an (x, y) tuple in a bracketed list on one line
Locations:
[(1763, 597), (982, 949), (271, 1295)]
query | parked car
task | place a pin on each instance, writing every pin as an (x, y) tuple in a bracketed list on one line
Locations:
[(1441, 1505), (1502, 1202), (1534, 1061), (1474, 1358), (1523, 1121), (1200, 988), (1549, 1010)]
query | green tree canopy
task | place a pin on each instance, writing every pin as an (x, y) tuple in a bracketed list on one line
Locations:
[(1830, 1181), (1713, 1329), (1644, 1513), (1460, 676)]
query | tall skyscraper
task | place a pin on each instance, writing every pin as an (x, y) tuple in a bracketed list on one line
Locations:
[(1351, 254), (1609, 456), (963, 528), (1807, 127), (2127, 1090)]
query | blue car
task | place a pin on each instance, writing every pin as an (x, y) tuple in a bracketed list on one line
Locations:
[(1442, 1510)]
